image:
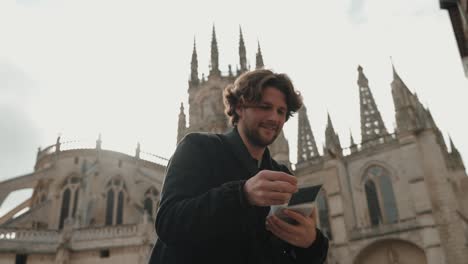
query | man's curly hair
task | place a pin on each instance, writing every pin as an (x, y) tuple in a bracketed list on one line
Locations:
[(249, 86)]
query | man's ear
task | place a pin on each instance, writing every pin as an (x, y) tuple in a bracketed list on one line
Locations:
[(239, 109)]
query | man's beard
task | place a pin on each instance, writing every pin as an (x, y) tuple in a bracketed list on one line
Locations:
[(254, 137)]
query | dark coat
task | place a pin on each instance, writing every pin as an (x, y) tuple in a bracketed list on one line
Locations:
[(204, 216)]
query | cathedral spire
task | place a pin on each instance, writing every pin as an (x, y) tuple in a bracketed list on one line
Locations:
[(194, 66), (214, 55), (332, 141), (182, 123), (406, 106), (259, 58), (372, 125), (242, 52), (306, 145)]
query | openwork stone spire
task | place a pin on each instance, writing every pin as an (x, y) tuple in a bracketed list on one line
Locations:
[(242, 53), (194, 66), (214, 55), (372, 125), (259, 58), (306, 145)]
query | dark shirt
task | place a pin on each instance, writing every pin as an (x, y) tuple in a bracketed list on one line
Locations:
[(204, 216)]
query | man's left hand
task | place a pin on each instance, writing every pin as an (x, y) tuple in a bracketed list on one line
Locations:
[(303, 234)]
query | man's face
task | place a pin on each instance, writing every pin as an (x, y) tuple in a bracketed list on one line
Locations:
[(262, 122)]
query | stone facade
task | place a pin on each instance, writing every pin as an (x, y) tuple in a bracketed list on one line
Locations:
[(89, 205), (397, 197)]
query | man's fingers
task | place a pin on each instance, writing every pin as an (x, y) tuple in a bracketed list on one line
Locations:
[(275, 198), (279, 186), (280, 176), (278, 231), (297, 216), (288, 228)]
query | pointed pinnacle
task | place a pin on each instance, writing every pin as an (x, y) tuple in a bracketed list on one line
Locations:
[(213, 33), (351, 137), (395, 74), (452, 145)]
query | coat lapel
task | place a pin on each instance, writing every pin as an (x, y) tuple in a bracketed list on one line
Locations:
[(236, 145), (238, 148)]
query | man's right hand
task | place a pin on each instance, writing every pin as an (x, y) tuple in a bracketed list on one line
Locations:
[(270, 188)]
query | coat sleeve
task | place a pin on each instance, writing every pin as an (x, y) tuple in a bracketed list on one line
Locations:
[(316, 253), (192, 210)]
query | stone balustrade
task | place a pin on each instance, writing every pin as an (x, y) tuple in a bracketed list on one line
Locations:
[(73, 145), (390, 138), (28, 235), (108, 232)]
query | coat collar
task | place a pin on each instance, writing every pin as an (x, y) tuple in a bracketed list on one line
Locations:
[(242, 154)]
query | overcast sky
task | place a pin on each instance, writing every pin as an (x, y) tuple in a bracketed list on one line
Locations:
[(120, 68)]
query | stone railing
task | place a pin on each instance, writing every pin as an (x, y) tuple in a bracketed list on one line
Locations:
[(153, 158), (108, 232), (28, 235), (89, 144), (370, 143)]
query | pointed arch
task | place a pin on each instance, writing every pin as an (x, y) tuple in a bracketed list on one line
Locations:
[(110, 207), (64, 210), (373, 203), (380, 196), (150, 201), (115, 205), (388, 197), (70, 198), (120, 204)]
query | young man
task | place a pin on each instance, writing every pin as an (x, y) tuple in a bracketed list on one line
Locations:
[(219, 187)]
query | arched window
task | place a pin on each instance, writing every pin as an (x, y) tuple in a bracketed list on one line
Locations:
[(40, 192), (380, 196), (148, 206), (388, 197), (120, 208), (115, 210), (69, 195), (65, 207), (323, 213), (373, 203), (110, 207), (150, 201)]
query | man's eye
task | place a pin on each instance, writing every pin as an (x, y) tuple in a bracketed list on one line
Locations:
[(281, 112)]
